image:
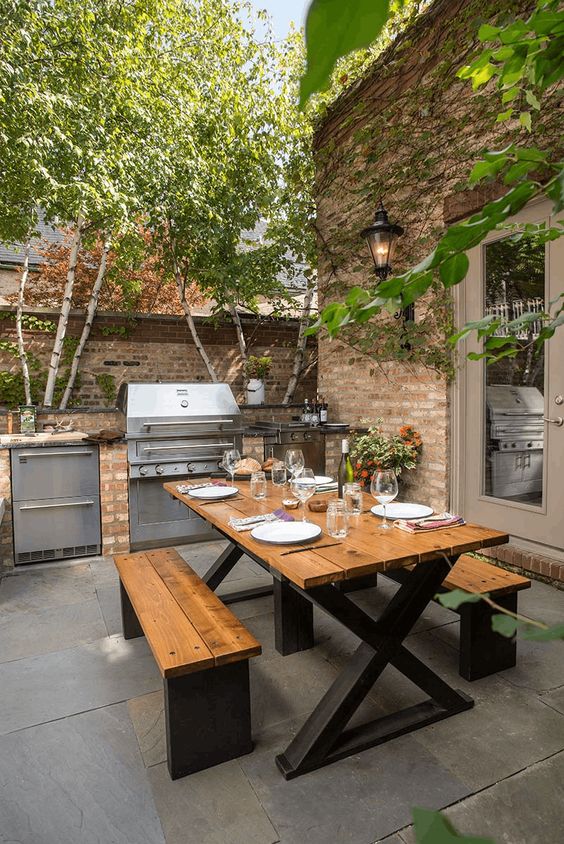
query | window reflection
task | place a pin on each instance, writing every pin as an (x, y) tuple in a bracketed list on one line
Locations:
[(514, 284)]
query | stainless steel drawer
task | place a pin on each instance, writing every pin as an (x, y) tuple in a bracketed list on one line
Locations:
[(55, 472), (55, 527)]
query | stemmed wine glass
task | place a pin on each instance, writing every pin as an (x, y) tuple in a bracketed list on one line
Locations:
[(303, 487), (229, 462), (295, 462), (384, 488)]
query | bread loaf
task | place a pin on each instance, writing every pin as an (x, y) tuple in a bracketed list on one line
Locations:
[(247, 466), (267, 465)]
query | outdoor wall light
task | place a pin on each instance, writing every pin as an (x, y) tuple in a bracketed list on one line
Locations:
[(382, 237)]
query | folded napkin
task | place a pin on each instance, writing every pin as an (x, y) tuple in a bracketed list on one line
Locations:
[(184, 488), (279, 515), (327, 487), (436, 522)]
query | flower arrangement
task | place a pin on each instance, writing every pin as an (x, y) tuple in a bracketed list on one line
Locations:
[(256, 367), (375, 450)]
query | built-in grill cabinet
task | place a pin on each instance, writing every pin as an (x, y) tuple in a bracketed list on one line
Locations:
[(174, 432), (56, 502)]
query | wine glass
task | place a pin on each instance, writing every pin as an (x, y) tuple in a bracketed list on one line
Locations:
[(229, 462), (384, 488), (295, 461), (303, 487), (278, 473)]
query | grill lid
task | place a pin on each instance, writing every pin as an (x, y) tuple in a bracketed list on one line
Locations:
[(505, 400), (152, 408)]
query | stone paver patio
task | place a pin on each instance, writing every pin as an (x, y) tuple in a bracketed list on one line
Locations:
[(82, 741)]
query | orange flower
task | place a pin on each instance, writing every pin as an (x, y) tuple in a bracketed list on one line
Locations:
[(364, 473), (358, 464), (370, 463)]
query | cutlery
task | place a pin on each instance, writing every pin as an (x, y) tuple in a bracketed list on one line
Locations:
[(310, 548), (219, 501)]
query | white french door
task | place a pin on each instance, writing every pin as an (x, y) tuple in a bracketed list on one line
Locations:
[(509, 473)]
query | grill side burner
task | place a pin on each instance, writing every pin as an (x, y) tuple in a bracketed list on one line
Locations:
[(173, 430), (515, 441)]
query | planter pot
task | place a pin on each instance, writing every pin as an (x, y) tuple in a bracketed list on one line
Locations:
[(255, 391)]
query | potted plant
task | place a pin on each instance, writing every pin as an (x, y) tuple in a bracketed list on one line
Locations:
[(375, 450), (256, 370)]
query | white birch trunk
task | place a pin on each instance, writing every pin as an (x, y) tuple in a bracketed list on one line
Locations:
[(300, 346), (64, 316), (19, 329), (192, 325), (240, 339), (90, 314)]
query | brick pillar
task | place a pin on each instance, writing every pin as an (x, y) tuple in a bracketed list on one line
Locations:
[(114, 498), (6, 545)]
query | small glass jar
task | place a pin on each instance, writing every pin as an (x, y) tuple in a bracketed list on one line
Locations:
[(337, 519), (278, 473), (352, 495), (314, 420), (258, 485)]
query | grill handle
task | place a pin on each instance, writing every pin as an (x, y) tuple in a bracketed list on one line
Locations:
[(40, 453), (62, 504), (184, 447), (192, 422)]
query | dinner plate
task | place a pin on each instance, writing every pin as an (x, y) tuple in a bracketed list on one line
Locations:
[(214, 492), (322, 479), (396, 510), (286, 533)]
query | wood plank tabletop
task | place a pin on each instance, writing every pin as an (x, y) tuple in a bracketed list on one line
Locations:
[(366, 550)]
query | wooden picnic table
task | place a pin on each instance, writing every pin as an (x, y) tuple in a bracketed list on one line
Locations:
[(312, 577)]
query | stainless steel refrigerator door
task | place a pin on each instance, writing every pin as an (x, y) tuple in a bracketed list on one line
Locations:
[(50, 529), (55, 472)]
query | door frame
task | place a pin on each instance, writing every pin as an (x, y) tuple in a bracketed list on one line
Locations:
[(458, 402)]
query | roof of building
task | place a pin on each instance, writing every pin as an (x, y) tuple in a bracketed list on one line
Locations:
[(12, 254)]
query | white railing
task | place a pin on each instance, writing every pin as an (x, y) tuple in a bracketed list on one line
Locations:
[(507, 311)]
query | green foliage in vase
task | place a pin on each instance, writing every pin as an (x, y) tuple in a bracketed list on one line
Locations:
[(258, 367), (375, 450)]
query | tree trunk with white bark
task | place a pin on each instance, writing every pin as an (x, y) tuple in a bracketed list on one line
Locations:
[(300, 345), (19, 329), (90, 314), (192, 325), (240, 339), (64, 315)]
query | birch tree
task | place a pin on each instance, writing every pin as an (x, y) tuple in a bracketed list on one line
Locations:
[(19, 329)]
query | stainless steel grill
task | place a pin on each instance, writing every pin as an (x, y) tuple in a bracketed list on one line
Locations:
[(173, 431), (280, 436), (515, 441)]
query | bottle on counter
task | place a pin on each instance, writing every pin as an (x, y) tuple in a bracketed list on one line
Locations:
[(307, 412), (323, 411), (345, 475)]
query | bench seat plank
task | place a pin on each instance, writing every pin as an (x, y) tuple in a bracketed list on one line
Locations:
[(226, 638), (177, 646), (474, 575)]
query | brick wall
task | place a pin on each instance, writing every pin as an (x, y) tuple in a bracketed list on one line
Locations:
[(114, 501), (409, 133), (161, 348), (6, 550)]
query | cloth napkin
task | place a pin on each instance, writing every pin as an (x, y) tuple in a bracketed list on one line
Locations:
[(279, 515), (436, 522), (184, 488), (327, 487)]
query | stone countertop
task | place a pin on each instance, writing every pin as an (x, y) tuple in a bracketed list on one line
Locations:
[(43, 441)]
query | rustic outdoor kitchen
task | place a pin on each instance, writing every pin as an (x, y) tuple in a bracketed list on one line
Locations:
[(74, 494)]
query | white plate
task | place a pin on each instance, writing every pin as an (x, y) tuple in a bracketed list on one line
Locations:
[(396, 510), (286, 533), (322, 479), (214, 492)]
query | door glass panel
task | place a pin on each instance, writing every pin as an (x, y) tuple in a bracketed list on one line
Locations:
[(514, 406)]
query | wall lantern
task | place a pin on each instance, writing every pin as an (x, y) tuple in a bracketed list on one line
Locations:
[(382, 237)]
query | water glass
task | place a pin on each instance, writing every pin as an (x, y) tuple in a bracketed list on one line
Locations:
[(278, 472), (229, 462), (352, 494), (294, 460), (384, 488), (303, 487), (337, 519), (258, 485)]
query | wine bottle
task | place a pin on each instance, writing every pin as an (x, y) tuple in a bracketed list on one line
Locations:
[(345, 475), (323, 411)]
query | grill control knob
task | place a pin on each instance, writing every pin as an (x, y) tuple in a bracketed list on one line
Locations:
[(143, 470), (190, 467), (184, 403), (159, 470)]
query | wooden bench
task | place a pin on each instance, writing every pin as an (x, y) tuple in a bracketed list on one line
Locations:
[(202, 651), (482, 651)]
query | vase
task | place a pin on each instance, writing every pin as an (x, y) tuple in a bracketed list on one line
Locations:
[(255, 391)]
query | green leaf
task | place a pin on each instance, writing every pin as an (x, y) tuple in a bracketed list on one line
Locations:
[(453, 600), (433, 828), (532, 99), (454, 269), (488, 32), (504, 115), (505, 625), (525, 120), (536, 635), (334, 29)]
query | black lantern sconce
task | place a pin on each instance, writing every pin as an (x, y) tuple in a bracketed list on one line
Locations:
[(382, 237)]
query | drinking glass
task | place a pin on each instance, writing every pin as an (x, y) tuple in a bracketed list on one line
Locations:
[(258, 485), (295, 462), (303, 487), (352, 495), (337, 524), (384, 488), (229, 462), (278, 472)]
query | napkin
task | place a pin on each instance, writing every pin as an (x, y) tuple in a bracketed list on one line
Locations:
[(184, 488), (436, 522), (279, 515), (331, 487)]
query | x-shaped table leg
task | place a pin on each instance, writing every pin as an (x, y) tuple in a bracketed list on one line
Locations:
[(323, 738), (217, 573)]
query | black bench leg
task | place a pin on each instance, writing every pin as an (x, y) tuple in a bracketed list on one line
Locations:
[(293, 620), (208, 718), (130, 623), (357, 583), (482, 651)]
